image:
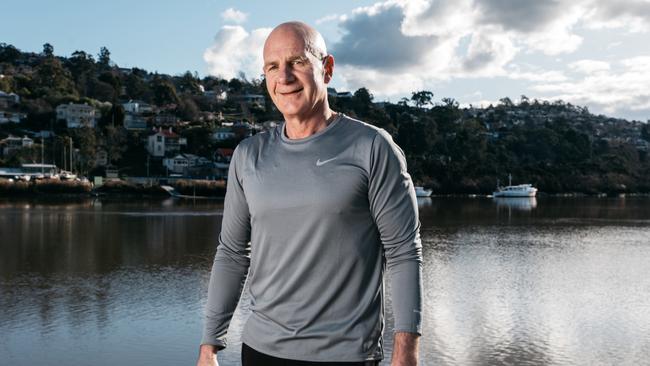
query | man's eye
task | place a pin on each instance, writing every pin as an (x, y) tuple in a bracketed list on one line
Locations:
[(298, 62), (271, 68)]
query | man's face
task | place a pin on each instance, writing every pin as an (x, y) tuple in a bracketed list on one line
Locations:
[(295, 78)]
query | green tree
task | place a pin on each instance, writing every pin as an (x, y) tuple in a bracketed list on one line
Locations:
[(104, 57), (422, 98), (48, 50)]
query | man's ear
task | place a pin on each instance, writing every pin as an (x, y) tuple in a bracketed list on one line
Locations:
[(328, 68)]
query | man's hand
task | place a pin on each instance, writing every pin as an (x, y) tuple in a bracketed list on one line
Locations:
[(207, 356), (405, 349)]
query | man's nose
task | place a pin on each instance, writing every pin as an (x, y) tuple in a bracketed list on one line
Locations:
[(286, 75)]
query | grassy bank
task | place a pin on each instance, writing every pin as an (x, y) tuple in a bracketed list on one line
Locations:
[(50, 186)]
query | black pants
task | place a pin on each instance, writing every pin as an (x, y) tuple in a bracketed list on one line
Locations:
[(251, 357)]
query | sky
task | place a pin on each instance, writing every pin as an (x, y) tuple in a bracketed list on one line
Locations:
[(592, 53)]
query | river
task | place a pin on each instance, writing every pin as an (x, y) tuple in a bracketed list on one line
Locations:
[(551, 281)]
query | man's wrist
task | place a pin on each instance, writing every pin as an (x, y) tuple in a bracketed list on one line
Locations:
[(208, 350)]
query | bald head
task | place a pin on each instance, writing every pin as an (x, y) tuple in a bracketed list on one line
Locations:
[(312, 40)]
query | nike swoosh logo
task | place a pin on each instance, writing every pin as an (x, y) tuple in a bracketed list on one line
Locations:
[(319, 163)]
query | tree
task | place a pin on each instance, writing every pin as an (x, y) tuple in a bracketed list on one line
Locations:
[(8, 53), (164, 92), (104, 57), (189, 83), (422, 98), (507, 102), (48, 50)]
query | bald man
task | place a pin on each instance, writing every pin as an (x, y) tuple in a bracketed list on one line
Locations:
[(314, 213)]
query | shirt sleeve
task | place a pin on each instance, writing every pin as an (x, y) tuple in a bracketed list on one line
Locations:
[(231, 262), (394, 208)]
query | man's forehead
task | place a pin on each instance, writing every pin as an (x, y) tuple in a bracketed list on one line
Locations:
[(284, 52)]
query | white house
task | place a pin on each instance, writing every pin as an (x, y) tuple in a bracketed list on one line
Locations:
[(77, 115), (164, 142), (137, 107), (13, 143), (179, 163)]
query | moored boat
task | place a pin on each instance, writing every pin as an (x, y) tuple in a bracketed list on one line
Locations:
[(520, 190)]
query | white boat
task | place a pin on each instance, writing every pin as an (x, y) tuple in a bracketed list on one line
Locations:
[(421, 192), (65, 175), (521, 190)]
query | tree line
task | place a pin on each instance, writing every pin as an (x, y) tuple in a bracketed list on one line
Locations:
[(556, 146)]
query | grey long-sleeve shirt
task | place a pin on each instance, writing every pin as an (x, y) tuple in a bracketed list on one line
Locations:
[(317, 220)]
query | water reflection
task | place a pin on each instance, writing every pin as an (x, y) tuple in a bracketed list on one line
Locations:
[(516, 203), (562, 283)]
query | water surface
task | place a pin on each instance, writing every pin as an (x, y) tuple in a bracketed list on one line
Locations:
[(551, 281)]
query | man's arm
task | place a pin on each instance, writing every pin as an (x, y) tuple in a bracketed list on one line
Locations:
[(231, 261), (405, 349), (394, 207)]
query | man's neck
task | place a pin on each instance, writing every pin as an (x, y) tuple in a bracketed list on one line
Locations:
[(300, 128)]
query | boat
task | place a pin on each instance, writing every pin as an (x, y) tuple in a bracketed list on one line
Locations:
[(520, 190), (421, 192)]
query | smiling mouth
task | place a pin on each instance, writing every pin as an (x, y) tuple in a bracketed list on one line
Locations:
[(291, 92)]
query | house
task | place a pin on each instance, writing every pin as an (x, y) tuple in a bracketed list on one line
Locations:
[(223, 133), (134, 121), (180, 163), (251, 99), (11, 117), (164, 142), (164, 119), (13, 143), (8, 99), (344, 95), (77, 115), (137, 107), (217, 95)]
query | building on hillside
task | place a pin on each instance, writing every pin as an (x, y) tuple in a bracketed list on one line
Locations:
[(11, 117), (133, 121), (77, 115), (164, 142), (251, 99), (180, 163), (164, 119), (137, 107), (346, 94), (13, 143), (8, 100), (223, 134), (216, 95)]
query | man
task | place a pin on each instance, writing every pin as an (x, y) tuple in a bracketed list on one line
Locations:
[(316, 209)]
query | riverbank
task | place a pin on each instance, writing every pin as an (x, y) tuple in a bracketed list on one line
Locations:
[(51, 187)]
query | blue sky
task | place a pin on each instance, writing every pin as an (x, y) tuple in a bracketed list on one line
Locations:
[(588, 52)]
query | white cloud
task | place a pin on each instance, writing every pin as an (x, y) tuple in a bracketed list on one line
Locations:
[(623, 88), (327, 19), (233, 15), (235, 50), (589, 66), (397, 46)]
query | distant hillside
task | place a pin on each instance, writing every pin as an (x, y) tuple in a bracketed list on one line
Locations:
[(557, 146)]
